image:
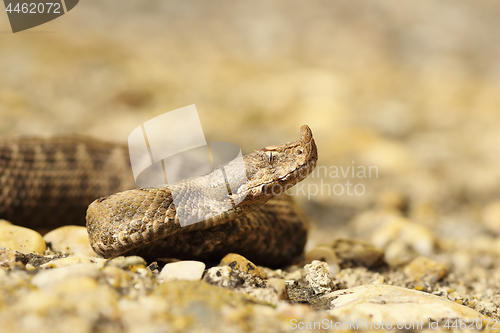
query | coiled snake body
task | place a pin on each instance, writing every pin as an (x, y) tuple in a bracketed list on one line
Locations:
[(47, 182)]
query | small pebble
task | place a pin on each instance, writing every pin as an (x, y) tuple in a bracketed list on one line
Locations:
[(279, 286), (21, 239), (398, 253), (355, 252), (426, 270), (242, 264), (317, 274), (326, 254), (70, 239), (183, 270), (223, 276)]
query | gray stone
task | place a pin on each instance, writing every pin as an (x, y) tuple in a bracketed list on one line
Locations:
[(318, 276)]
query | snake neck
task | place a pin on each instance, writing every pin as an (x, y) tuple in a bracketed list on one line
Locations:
[(245, 183)]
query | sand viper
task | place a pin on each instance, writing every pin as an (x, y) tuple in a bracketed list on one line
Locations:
[(47, 182)]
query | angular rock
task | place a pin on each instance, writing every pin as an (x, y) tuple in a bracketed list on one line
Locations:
[(318, 276)]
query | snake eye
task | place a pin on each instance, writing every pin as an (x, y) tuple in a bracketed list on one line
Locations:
[(269, 151), (300, 151)]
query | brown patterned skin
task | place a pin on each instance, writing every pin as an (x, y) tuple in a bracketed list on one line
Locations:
[(46, 182), (268, 229)]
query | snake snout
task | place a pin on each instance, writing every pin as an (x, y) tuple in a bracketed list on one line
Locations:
[(306, 138), (305, 134)]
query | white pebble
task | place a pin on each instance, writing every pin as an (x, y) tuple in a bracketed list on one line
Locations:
[(183, 270)]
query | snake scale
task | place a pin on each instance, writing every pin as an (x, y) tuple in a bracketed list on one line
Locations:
[(49, 182)]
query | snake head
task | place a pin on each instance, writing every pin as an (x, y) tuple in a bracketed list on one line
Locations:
[(274, 169)]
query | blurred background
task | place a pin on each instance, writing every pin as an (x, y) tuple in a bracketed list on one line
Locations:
[(410, 89)]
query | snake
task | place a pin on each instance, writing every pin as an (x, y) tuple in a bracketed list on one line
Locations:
[(46, 182)]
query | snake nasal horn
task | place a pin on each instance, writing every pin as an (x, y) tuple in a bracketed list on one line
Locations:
[(306, 137)]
